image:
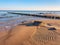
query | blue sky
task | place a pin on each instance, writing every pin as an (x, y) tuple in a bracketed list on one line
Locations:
[(30, 4)]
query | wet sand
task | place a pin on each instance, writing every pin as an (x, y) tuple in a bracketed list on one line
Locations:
[(30, 35)]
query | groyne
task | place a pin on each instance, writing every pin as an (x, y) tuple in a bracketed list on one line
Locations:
[(38, 15)]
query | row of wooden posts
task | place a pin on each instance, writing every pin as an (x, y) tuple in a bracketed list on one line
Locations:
[(38, 15)]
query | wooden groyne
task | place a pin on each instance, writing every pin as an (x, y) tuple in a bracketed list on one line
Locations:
[(51, 16)]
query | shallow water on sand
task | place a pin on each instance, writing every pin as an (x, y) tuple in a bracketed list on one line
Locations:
[(8, 20)]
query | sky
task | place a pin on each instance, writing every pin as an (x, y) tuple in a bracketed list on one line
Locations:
[(29, 4)]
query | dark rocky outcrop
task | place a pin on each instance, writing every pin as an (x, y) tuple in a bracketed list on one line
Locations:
[(52, 28)]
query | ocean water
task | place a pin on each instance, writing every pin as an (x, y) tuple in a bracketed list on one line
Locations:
[(8, 20)]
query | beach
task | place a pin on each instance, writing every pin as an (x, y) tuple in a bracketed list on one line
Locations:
[(30, 35), (29, 22)]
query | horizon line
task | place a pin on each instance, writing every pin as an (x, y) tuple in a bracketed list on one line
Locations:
[(29, 10)]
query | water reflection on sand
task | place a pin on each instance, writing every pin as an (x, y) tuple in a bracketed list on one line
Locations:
[(11, 22)]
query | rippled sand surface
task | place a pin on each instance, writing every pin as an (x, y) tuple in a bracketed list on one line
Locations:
[(31, 35)]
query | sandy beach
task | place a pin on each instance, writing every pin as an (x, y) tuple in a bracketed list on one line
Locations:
[(31, 35)]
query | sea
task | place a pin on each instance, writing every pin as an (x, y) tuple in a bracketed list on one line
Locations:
[(9, 20)]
